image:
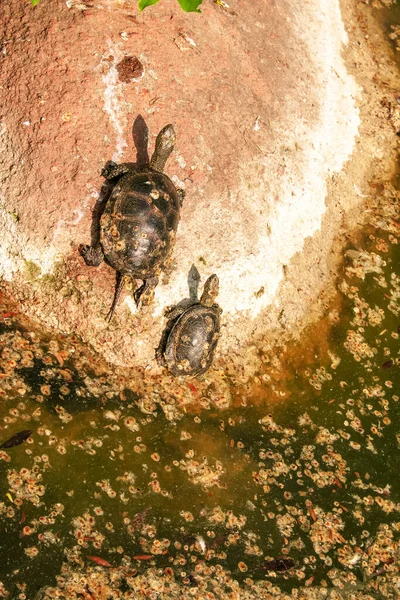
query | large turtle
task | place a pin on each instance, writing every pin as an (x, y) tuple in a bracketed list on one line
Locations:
[(139, 222), (189, 340)]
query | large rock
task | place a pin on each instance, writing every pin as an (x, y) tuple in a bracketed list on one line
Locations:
[(265, 114)]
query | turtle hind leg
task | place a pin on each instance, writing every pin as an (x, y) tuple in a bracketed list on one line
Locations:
[(143, 296), (119, 286), (112, 170), (92, 255)]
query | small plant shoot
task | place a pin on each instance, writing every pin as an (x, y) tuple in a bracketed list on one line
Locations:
[(190, 5), (186, 5), (144, 3)]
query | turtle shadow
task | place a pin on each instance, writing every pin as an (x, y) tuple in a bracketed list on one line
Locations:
[(193, 281), (140, 135)]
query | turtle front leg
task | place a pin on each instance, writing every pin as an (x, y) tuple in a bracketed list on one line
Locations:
[(173, 312), (92, 255), (143, 296), (112, 170)]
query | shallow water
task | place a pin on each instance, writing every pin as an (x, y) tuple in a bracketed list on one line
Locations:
[(389, 19)]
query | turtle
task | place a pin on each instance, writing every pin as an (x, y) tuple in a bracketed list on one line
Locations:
[(139, 222), (188, 343)]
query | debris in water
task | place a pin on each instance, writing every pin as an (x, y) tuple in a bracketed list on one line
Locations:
[(17, 439), (388, 364), (99, 561), (279, 564)]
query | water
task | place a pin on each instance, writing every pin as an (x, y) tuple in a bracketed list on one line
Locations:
[(389, 19)]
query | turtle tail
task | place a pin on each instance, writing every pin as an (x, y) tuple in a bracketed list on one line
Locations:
[(119, 286)]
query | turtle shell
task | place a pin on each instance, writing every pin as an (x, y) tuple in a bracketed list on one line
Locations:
[(137, 228), (192, 340)]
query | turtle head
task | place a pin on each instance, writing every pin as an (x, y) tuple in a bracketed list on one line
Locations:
[(165, 143), (211, 291)]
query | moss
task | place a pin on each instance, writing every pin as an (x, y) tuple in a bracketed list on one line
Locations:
[(32, 271), (11, 213), (60, 283)]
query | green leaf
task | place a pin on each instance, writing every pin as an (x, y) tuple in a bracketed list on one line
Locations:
[(144, 3), (190, 5), (34, 2)]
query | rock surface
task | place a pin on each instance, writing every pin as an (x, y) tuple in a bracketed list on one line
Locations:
[(267, 116)]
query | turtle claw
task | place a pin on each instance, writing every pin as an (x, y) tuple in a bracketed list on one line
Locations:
[(109, 315)]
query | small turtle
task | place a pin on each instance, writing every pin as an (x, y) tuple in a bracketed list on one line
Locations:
[(139, 222), (188, 343)]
